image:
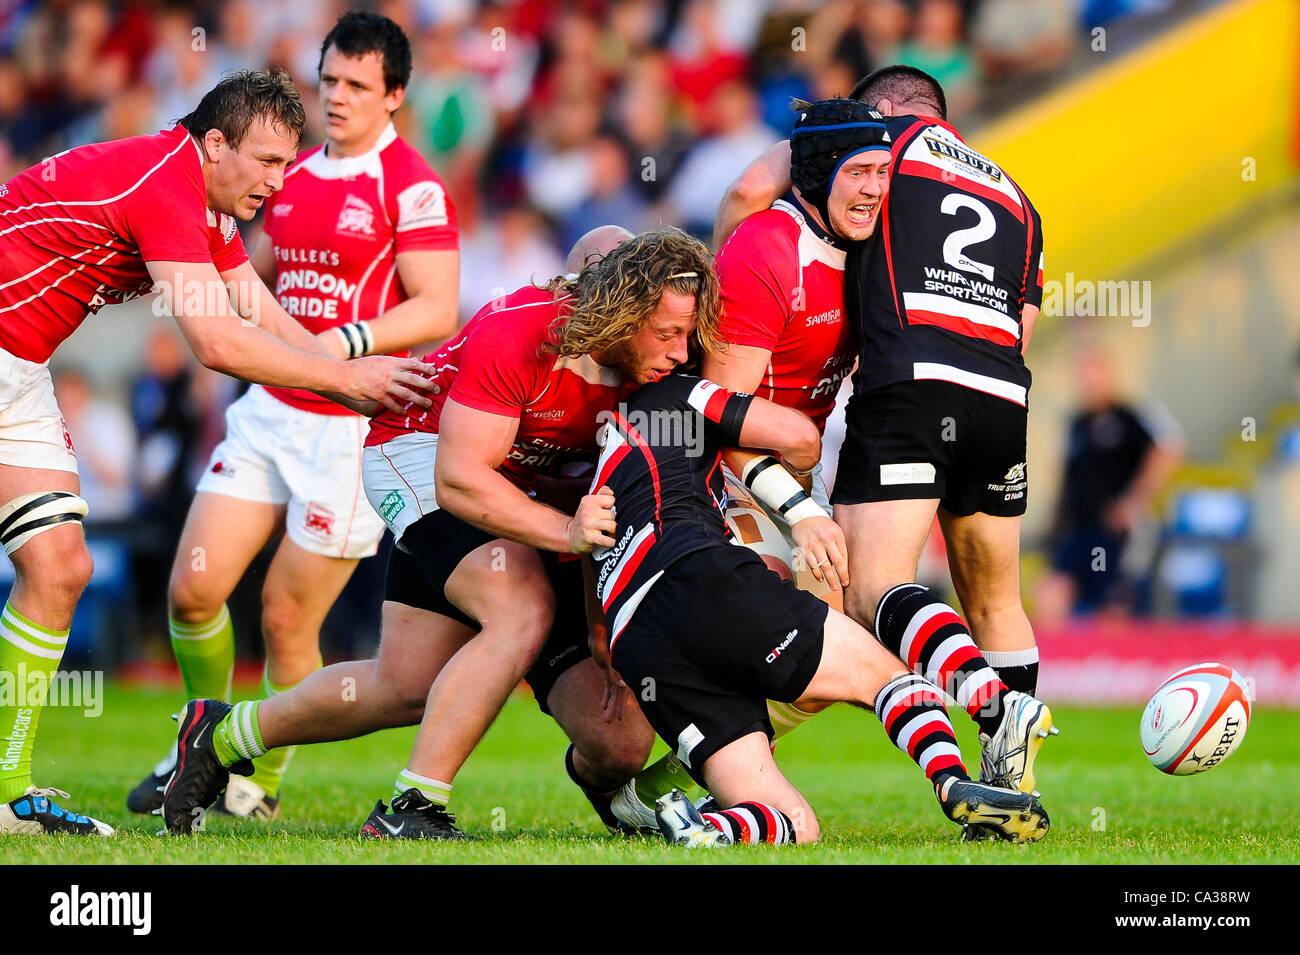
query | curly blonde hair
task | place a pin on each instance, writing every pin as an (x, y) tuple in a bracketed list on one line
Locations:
[(614, 295)]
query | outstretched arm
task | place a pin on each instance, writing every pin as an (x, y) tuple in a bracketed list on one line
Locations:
[(764, 181)]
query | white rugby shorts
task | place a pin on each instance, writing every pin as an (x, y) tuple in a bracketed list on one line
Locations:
[(32, 431), (277, 454), (398, 476)]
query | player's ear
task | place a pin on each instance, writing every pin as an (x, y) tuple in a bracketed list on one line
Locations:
[(214, 143), (885, 108), (395, 98)]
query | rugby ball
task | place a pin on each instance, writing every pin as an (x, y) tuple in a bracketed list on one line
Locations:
[(1196, 719)]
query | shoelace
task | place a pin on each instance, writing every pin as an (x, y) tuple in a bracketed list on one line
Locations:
[(49, 792)]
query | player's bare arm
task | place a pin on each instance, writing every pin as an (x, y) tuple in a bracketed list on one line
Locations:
[(224, 342), (255, 303), (611, 708), (738, 368), (1028, 318), (471, 444), (764, 181), (262, 258)]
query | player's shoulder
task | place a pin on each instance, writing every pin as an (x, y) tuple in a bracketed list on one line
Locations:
[(167, 152), (759, 235), (521, 316), (401, 158), (304, 159)]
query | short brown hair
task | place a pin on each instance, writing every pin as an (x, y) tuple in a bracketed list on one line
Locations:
[(233, 104), (615, 294)]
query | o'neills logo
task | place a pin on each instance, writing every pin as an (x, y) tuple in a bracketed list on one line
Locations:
[(780, 648)]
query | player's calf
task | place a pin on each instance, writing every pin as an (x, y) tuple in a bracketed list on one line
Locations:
[(929, 636)]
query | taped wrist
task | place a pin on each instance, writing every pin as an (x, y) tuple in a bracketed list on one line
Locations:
[(357, 339), (772, 484)]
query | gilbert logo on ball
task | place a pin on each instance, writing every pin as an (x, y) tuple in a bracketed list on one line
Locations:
[(1196, 719)]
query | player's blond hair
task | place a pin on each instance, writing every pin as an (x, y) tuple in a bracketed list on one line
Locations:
[(614, 295)]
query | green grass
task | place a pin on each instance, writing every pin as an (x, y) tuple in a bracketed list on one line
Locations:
[(514, 797)]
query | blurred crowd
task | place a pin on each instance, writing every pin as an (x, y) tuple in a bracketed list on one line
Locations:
[(544, 118)]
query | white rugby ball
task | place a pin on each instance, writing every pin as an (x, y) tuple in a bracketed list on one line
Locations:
[(1196, 719)]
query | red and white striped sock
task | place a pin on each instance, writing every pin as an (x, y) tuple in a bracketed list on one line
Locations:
[(928, 635), (754, 822), (913, 715)]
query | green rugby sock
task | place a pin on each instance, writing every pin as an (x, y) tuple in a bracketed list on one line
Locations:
[(269, 768), (206, 654), (661, 777), (237, 736), (786, 717), (434, 790), (29, 659)]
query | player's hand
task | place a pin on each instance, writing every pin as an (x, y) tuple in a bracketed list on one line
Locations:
[(594, 524), (614, 698), (821, 543), (394, 382), (331, 342)]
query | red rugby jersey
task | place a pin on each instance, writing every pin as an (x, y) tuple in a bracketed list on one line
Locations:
[(77, 229), (497, 364), (782, 288), (336, 229)]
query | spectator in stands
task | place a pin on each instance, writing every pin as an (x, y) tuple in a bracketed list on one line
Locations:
[(938, 46), (504, 252), (557, 168), (1118, 458), (167, 427), (1018, 39), (611, 198), (710, 167), (643, 111)]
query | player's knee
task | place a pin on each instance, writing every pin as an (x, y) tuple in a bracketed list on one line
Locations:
[(520, 620), (283, 619), (189, 595), (981, 609), (58, 567), (860, 602)]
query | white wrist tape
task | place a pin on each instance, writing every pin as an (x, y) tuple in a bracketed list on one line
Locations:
[(357, 339), (773, 485), (367, 338)]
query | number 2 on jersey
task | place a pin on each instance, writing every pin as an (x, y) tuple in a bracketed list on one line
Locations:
[(954, 247)]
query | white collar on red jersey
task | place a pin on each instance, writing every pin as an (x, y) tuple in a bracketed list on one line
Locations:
[(326, 167)]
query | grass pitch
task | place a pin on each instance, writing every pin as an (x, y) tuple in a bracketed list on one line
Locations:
[(1107, 804)]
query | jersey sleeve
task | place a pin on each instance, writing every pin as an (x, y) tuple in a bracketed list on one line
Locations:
[(723, 411), (758, 277), (1034, 282), (422, 213), (226, 244), (499, 369), (167, 217)]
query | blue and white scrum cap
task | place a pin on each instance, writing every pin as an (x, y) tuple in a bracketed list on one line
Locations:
[(826, 135)]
